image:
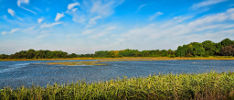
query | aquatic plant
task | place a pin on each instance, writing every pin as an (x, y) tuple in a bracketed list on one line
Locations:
[(206, 86)]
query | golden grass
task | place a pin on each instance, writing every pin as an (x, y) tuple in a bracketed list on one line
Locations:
[(102, 60), (76, 63)]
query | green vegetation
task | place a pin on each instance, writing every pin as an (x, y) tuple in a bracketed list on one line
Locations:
[(207, 86), (38, 54), (194, 49), (207, 48)]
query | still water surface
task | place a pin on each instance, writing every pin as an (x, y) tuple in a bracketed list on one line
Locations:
[(18, 73)]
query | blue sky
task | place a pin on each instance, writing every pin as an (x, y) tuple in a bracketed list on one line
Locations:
[(85, 26)]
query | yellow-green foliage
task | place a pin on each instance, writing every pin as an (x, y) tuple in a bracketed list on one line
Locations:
[(207, 86), (77, 63)]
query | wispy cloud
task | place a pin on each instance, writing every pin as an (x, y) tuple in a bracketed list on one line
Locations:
[(206, 3), (182, 18), (104, 8), (72, 5), (103, 32), (220, 17), (29, 10), (79, 18), (39, 20), (93, 20), (92, 11), (45, 25), (59, 16), (100, 31), (141, 6), (4, 32), (210, 27), (72, 10), (20, 2), (155, 15), (11, 31), (11, 12)]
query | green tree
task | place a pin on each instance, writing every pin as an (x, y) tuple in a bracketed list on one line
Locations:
[(129, 53), (30, 54), (181, 51), (210, 48), (4, 56), (226, 42), (197, 49)]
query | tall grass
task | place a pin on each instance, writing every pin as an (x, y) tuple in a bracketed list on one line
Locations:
[(206, 86)]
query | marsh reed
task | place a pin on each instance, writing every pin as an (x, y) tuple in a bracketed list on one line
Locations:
[(205, 86)]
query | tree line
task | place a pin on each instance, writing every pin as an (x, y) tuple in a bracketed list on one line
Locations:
[(38, 54), (193, 49)]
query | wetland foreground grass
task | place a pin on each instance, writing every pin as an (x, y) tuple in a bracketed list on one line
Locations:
[(206, 86)]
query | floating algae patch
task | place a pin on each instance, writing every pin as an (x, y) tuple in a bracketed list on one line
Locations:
[(77, 63)]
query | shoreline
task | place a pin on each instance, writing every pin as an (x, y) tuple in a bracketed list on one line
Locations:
[(128, 58)]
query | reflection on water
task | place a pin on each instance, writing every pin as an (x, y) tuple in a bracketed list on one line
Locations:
[(18, 73)]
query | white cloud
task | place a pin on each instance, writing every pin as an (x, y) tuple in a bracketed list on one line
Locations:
[(155, 15), (79, 19), (76, 16), (59, 16), (50, 25), (14, 30), (219, 17), (11, 31), (19, 2), (141, 6), (29, 10), (31, 30), (100, 31), (72, 5), (4, 32), (93, 20), (103, 32), (39, 20), (92, 11), (176, 32), (206, 3), (182, 18), (104, 8), (88, 31), (11, 12)]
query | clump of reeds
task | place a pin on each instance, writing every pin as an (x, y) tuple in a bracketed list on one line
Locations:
[(206, 86)]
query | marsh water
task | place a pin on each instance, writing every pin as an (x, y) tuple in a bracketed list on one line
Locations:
[(18, 73)]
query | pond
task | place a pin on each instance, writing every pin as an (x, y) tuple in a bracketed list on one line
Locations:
[(18, 73)]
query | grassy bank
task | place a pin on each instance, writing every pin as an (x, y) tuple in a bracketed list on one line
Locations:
[(207, 86), (132, 58), (97, 63), (101, 61)]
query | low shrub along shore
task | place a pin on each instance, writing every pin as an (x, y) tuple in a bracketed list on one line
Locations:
[(206, 86)]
